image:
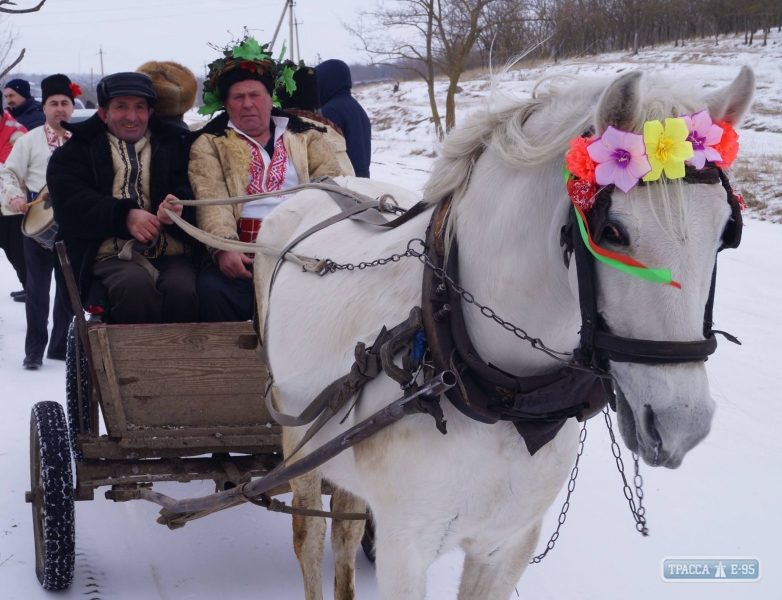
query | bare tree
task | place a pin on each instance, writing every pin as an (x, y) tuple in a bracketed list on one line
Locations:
[(7, 45), (427, 37)]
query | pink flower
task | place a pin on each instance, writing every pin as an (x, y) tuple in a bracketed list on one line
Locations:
[(703, 134), (621, 158)]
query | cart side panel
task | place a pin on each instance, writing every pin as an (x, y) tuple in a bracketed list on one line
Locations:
[(183, 377)]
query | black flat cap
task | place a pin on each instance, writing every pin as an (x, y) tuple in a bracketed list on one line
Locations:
[(126, 84)]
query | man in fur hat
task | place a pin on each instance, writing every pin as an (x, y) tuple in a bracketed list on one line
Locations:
[(250, 148), (27, 164), (175, 87), (109, 186)]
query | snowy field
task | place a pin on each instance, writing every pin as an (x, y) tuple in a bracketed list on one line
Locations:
[(723, 501)]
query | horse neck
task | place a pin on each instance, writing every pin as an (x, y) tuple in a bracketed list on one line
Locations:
[(507, 227)]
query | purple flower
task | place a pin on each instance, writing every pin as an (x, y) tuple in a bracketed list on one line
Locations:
[(703, 134), (620, 157)]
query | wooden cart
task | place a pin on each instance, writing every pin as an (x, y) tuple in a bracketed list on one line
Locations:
[(177, 402)]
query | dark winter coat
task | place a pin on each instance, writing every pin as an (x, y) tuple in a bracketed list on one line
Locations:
[(30, 114), (80, 177), (338, 105)]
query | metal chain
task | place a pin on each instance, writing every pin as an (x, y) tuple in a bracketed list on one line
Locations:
[(639, 512), (332, 267), (571, 485), (536, 343)]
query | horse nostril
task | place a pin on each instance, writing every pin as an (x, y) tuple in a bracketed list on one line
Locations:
[(651, 430)]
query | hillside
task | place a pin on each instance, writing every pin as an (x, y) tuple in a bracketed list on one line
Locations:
[(404, 140)]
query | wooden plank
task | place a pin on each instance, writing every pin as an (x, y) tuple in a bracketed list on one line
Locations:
[(179, 432), (190, 377), (111, 400), (161, 446), (112, 472), (224, 410), (180, 340)]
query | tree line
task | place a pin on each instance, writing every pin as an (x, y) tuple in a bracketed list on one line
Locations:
[(434, 38)]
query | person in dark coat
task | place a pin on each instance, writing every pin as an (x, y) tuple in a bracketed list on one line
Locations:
[(339, 106), (108, 186), (21, 104)]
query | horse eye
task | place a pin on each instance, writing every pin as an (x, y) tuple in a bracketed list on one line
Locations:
[(615, 235)]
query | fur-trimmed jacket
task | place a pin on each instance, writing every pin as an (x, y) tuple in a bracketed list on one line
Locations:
[(80, 177), (220, 167)]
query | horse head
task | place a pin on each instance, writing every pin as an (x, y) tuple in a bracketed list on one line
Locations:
[(664, 410)]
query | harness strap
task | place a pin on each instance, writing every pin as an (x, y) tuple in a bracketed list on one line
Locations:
[(130, 253)]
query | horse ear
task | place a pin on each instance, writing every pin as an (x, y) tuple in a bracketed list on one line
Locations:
[(731, 102), (620, 103)]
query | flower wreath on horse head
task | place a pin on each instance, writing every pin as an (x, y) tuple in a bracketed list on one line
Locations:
[(247, 55), (623, 159)]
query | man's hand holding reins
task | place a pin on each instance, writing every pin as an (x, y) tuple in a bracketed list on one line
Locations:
[(174, 208)]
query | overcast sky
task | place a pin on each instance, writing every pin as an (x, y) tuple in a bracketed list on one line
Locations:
[(66, 35)]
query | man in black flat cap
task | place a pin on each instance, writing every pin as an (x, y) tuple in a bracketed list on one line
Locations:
[(109, 186)]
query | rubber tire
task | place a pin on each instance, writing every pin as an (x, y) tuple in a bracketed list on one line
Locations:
[(53, 512), (72, 389), (368, 540)]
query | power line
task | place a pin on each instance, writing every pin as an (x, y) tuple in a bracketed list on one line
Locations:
[(147, 18)]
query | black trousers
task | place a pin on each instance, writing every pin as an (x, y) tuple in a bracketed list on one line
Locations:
[(11, 242), (136, 298), (40, 265), (224, 298)]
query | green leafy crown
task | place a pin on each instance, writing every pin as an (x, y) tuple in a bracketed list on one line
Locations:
[(247, 54)]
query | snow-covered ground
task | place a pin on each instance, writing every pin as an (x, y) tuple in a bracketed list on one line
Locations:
[(723, 501)]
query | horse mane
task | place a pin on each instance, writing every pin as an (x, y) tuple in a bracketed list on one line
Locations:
[(535, 132)]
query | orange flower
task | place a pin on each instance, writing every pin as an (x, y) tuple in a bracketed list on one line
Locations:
[(728, 146), (578, 161)]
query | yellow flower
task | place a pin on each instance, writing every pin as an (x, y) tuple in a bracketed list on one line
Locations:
[(667, 148)]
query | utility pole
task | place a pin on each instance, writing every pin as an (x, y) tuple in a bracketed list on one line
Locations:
[(101, 61), (291, 23), (298, 46)]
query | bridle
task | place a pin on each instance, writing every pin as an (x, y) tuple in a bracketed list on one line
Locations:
[(597, 344)]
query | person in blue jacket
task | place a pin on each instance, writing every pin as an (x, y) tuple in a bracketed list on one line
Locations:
[(21, 104), (339, 106)]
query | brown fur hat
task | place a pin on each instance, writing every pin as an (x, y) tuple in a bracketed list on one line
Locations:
[(175, 86)]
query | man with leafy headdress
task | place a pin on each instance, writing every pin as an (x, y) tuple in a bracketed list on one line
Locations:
[(252, 147)]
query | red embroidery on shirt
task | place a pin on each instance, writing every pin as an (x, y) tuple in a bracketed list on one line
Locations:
[(51, 137), (275, 176)]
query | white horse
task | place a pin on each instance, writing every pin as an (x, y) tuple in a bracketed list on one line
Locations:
[(478, 487)]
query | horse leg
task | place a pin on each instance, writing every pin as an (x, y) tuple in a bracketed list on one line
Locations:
[(492, 574), (309, 533), (403, 556), (345, 540)]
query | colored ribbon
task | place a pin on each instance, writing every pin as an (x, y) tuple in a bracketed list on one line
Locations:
[(620, 261)]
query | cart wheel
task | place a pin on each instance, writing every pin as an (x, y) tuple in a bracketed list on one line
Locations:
[(72, 389), (52, 496), (368, 541)]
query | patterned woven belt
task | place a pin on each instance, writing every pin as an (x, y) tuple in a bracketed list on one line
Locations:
[(248, 229)]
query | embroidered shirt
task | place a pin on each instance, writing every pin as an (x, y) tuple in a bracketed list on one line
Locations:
[(27, 164), (52, 139), (268, 173), (132, 167)]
